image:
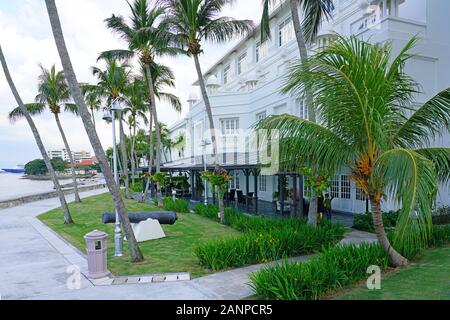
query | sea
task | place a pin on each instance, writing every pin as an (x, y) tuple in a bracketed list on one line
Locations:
[(13, 186)]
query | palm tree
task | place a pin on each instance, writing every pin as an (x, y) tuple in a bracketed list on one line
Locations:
[(314, 12), (146, 40), (135, 252), (162, 78), (53, 94), (370, 125), (37, 137), (92, 98), (136, 107), (194, 21), (112, 84)]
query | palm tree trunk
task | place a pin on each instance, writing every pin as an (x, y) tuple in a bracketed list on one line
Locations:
[(150, 158), (72, 162), (135, 252), (123, 150), (93, 117), (210, 119), (157, 131), (37, 137), (312, 211), (208, 109), (397, 260), (301, 43), (132, 156)]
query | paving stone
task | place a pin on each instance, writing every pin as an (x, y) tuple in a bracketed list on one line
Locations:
[(147, 279), (171, 278), (119, 281), (133, 280), (159, 278), (102, 281), (184, 277)]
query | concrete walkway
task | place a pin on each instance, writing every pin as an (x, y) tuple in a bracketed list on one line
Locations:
[(35, 263)]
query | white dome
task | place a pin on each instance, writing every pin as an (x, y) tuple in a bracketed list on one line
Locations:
[(212, 81), (193, 97)]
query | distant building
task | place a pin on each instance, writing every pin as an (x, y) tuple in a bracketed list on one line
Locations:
[(78, 156)]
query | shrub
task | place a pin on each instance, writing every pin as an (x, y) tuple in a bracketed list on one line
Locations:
[(177, 205), (267, 245), (334, 268), (364, 221), (210, 211), (441, 216), (243, 222), (136, 187)]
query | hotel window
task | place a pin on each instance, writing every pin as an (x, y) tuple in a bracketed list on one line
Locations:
[(360, 194), (230, 127), (286, 33), (234, 183), (261, 116), (345, 187), (226, 74), (302, 109), (262, 49), (263, 183), (241, 65), (335, 187)]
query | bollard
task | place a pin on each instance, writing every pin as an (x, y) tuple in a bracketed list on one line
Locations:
[(96, 247), (174, 195)]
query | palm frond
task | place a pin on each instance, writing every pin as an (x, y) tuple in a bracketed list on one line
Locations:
[(32, 108), (441, 160), (409, 178), (305, 143), (315, 12), (71, 107), (426, 123)]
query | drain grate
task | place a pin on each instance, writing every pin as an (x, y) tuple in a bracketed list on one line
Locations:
[(156, 278)]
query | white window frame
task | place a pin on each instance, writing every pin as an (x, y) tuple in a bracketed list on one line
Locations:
[(241, 63), (261, 50), (302, 109), (261, 116), (229, 126), (262, 183), (286, 31), (346, 187), (335, 186), (226, 74), (360, 194)]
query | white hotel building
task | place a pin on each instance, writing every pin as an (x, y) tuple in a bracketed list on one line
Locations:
[(244, 84)]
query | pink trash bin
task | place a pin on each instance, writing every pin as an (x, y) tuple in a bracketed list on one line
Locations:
[(96, 249)]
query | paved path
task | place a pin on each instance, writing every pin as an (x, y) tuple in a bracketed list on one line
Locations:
[(35, 263)]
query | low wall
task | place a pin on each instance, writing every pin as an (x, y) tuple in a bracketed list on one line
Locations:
[(46, 195)]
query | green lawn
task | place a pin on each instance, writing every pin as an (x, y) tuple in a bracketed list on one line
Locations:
[(428, 278), (170, 254)]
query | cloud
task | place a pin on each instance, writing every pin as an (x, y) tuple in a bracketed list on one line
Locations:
[(27, 40)]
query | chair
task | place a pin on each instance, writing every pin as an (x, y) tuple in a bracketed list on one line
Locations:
[(250, 198), (240, 196), (232, 195)]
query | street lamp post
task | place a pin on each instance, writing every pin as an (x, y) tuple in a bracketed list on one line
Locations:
[(118, 240), (204, 144)]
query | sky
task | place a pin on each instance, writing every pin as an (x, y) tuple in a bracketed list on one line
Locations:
[(27, 41)]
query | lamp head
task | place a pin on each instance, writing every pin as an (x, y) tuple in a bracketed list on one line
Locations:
[(115, 106), (107, 116)]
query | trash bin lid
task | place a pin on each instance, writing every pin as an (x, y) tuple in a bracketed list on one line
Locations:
[(96, 234)]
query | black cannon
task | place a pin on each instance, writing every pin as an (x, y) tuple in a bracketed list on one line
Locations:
[(136, 217)]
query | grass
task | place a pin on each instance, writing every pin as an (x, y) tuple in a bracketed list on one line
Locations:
[(426, 279), (171, 254)]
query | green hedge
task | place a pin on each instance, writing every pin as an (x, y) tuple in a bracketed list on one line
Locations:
[(334, 268), (267, 244), (243, 222), (178, 205), (364, 221)]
